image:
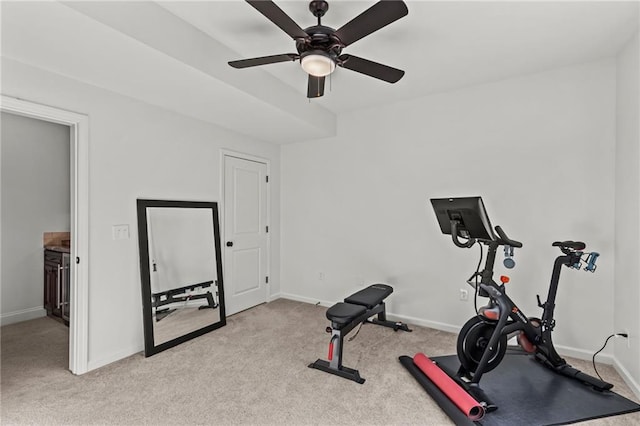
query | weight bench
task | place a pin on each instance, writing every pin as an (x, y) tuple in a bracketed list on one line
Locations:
[(345, 316)]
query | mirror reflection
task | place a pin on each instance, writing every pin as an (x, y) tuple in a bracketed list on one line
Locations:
[(181, 271)]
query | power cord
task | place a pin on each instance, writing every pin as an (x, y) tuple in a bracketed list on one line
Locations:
[(475, 293), (357, 331), (593, 359)]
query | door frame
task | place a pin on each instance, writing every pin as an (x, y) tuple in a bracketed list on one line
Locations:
[(79, 197), (224, 153)]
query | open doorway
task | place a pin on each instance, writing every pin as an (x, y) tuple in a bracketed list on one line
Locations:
[(35, 216), (77, 202)]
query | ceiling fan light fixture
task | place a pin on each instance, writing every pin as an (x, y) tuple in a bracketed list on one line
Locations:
[(319, 48), (317, 64)]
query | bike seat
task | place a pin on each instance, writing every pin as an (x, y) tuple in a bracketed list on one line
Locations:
[(573, 245)]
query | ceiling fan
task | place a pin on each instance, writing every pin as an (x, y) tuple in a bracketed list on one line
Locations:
[(320, 47)]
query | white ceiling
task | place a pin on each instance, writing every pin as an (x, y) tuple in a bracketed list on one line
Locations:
[(440, 45), (174, 54)]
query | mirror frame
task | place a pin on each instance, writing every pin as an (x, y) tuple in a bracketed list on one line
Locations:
[(150, 348)]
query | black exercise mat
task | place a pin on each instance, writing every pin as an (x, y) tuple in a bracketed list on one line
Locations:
[(527, 393)]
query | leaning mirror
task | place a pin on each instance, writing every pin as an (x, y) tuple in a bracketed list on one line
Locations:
[(180, 270)]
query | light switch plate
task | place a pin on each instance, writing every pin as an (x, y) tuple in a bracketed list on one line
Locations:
[(120, 232)]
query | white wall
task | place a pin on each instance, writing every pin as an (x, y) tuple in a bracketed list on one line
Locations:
[(627, 202), (35, 199), (135, 151), (539, 149)]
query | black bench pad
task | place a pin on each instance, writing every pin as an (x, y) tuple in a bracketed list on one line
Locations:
[(370, 296), (344, 313)]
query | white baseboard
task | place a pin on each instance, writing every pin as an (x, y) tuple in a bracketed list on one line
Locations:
[(22, 315), (390, 315), (275, 296), (424, 323), (304, 299), (602, 358), (94, 364), (626, 376)]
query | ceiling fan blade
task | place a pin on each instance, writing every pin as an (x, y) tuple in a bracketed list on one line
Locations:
[(377, 16), (315, 87), (370, 68), (278, 17), (264, 60)]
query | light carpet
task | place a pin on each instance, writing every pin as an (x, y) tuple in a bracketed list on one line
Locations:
[(252, 371)]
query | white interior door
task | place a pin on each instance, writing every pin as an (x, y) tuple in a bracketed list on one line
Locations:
[(246, 232)]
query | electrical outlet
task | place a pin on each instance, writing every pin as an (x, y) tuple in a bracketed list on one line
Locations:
[(628, 338), (320, 276), (464, 294)]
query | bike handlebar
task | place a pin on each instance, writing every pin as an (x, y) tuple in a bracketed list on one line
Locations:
[(506, 240)]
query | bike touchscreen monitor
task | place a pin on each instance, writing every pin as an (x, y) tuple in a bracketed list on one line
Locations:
[(468, 213)]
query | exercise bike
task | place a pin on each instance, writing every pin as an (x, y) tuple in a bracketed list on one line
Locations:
[(482, 342)]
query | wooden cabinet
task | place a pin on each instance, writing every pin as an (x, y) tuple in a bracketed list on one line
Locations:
[(56, 284)]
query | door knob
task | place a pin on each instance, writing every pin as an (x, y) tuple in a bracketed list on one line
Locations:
[(229, 243)]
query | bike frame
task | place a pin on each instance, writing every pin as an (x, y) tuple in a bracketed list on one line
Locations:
[(466, 220), (512, 319)]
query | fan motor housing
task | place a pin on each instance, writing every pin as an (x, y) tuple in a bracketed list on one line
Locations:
[(320, 38)]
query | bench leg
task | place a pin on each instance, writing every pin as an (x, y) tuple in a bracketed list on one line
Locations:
[(382, 319), (338, 331), (334, 365), (335, 349), (395, 325)]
